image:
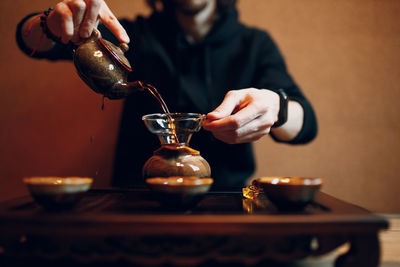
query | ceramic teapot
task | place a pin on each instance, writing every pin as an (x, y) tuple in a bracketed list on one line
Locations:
[(104, 68)]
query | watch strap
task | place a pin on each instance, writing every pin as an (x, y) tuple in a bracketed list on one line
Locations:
[(283, 108)]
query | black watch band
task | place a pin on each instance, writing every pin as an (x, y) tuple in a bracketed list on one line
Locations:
[(283, 108)]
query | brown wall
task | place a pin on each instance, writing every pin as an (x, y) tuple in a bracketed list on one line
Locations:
[(345, 55)]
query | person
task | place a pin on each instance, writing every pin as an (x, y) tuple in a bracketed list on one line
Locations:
[(202, 59)]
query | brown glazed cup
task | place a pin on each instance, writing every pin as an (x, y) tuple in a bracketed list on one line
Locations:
[(57, 193), (179, 192), (290, 193)]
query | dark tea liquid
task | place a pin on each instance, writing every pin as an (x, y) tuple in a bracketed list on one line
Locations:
[(164, 106)]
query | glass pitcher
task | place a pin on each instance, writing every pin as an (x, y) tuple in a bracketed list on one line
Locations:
[(175, 157)]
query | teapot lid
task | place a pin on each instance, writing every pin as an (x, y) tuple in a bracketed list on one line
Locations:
[(117, 52)]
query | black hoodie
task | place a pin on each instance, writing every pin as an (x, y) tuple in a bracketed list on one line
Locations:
[(195, 78)]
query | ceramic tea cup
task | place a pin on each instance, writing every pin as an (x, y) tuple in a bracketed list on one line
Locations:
[(290, 193), (57, 193), (179, 192)]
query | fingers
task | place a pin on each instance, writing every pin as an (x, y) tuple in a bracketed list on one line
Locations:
[(78, 10), (226, 108), (112, 23), (250, 132), (90, 18), (244, 116), (222, 118), (69, 16), (66, 27), (237, 109), (74, 20)]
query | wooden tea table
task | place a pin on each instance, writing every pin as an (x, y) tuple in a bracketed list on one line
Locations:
[(128, 227)]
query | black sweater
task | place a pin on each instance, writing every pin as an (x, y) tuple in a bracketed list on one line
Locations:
[(195, 78)]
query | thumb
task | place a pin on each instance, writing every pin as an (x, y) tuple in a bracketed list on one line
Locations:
[(226, 108)]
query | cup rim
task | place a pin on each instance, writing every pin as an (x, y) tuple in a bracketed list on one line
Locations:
[(57, 181), (290, 181), (181, 181), (174, 115)]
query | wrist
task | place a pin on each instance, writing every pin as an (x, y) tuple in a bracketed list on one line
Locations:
[(45, 28), (30, 36)]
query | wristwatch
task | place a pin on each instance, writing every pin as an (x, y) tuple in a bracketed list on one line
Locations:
[(283, 108)]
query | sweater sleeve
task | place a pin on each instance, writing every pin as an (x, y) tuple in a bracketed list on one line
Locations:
[(272, 74)]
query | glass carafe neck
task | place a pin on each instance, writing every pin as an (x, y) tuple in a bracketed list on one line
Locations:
[(176, 149)]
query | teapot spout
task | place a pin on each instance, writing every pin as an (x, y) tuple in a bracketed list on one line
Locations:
[(122, 90), (136, 86)]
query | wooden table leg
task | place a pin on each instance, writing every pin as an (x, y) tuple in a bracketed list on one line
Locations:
[(364, 251)]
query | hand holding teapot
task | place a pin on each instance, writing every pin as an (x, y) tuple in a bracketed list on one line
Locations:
[(74, 20), (100, 64)]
